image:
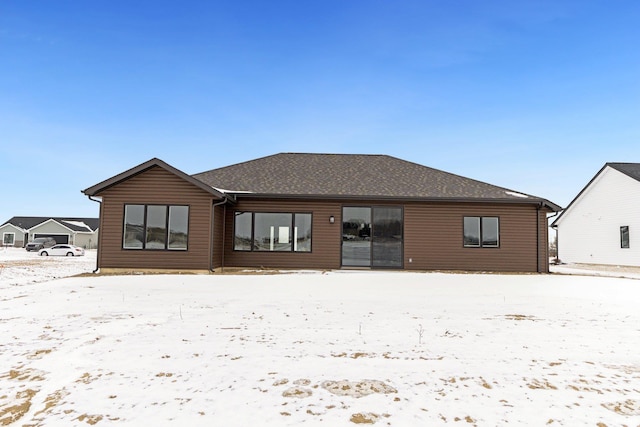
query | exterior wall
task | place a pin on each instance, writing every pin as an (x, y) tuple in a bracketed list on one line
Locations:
[(86, 240), (432, 236), (18, 241), (155, 186), (589, 231), (543, 243)]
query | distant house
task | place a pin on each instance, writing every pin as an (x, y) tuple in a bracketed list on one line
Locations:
[(602, 224), (20, 230), (320, 211)]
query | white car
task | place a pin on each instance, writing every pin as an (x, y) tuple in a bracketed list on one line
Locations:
[(62, 250)]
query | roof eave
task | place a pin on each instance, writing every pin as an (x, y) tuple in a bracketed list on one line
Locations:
[(519, 201)]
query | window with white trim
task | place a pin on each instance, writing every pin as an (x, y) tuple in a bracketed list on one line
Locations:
[(8, 239)]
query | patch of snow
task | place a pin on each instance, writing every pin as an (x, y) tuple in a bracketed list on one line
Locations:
[(78, 224), (513, 193), (331, 348), (597, 270), (223, 191)]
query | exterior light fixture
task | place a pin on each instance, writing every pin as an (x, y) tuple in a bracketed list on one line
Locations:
[(332, 219)]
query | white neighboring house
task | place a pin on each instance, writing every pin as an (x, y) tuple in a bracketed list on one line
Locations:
[(602, 224), (20, 230)]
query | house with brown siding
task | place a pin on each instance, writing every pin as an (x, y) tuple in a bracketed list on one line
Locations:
[(316, 211)]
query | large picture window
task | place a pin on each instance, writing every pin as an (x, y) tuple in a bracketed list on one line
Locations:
[(156, 227), (272, 232), (481, 232)]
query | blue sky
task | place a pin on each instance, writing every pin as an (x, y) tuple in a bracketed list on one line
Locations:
[(531, 95)]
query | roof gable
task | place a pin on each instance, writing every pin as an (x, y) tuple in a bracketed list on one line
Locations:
[(353, 175), (51, 220), (8, 226), (632, 170), (104, 185)]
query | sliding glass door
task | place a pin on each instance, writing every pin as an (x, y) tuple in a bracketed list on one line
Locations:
[(386, 244), (356, 237), (372, 237)]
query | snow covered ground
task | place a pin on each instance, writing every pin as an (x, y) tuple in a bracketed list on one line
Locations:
[(336, 349), (19, 267)]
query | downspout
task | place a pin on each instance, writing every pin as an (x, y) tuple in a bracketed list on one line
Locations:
[(538, 237), (224, 234), (99, 239), (213, 227)]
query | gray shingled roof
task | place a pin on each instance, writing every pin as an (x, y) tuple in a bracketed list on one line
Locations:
[(27, 222), (630, 169), (353, 175)]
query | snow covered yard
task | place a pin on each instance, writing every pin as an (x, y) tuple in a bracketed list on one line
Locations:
[(17, 266), (337, 349)]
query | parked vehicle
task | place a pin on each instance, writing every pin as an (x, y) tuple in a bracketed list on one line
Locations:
[(40, 243), (62, 250)]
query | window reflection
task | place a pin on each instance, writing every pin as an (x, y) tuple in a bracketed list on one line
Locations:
[(156, 227), (302, 233), (178, 227), (242, 238), (472, 231), (133, 227), (490, 232), (145, 227), (272, 232)]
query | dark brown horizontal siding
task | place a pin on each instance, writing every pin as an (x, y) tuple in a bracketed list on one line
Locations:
[(543, 247), (155, 186), (434, 241), (325, 237), (432, 236)]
